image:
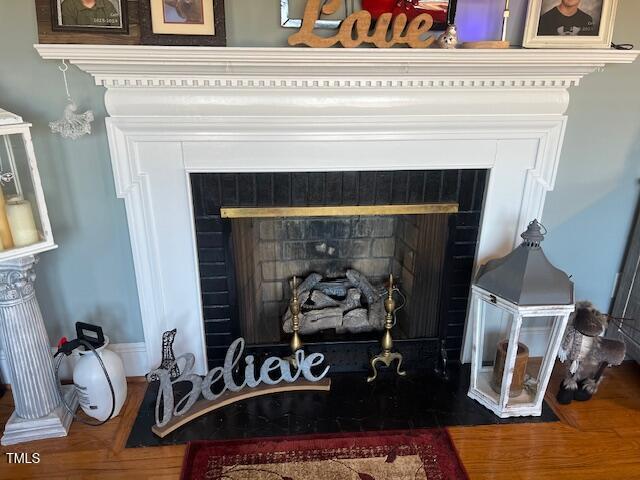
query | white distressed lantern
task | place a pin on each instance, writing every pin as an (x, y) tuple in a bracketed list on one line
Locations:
[(24, 222), (519, 308)]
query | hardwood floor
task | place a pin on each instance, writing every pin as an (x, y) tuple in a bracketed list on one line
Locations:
[(599, 439)]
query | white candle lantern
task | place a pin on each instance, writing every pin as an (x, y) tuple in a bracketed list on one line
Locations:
[(519, 308), (24, 222)]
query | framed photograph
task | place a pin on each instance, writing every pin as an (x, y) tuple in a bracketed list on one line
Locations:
[(182, 22), (570, 23), (97, 16)]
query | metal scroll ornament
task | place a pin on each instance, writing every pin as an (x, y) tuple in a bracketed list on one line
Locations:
[(168, 357)]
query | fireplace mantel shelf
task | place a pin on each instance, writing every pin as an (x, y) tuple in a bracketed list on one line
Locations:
[(214, 67)]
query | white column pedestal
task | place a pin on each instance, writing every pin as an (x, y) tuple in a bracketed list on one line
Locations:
[(54, 425), (39, 412)]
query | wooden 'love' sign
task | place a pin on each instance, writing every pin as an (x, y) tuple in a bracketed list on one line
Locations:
[(355, 29)]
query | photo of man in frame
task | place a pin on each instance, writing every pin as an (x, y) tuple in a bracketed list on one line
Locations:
[(570, 17), (90, 13)]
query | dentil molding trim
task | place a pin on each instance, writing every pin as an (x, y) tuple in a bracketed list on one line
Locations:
[(116, 66)]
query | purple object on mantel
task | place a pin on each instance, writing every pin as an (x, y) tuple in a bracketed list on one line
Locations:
[(479, 20)]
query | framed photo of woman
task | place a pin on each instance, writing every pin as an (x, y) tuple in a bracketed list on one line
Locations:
[(182, 22), (570, 23)]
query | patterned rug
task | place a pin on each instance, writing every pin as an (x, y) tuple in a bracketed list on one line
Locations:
[(416, 455)]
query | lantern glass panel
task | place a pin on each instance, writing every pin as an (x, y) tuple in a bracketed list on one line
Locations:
[(12, 151), (19, 191), (494, 328), (536, 335)]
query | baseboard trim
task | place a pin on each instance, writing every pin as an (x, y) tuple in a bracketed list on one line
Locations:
[(133, 355)]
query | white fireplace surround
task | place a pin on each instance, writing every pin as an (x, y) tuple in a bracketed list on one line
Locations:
[(179, 110)]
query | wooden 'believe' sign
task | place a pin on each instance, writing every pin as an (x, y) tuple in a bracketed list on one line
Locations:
[(354, 30)]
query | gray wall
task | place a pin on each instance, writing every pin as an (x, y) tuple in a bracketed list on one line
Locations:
[(90, 277)]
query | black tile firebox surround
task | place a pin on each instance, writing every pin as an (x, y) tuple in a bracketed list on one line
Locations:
[(420, 400), (211, 191)]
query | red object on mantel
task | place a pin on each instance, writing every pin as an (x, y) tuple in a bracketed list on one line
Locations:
[(412, 8)]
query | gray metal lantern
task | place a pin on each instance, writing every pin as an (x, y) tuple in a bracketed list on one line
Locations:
[(519, 308)]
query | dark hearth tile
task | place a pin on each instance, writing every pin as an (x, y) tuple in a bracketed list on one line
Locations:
[(264, 189), (421, 400), (211, 191), (213, 285), (247, 191), (207, 224), (466, 234), (216, 298), (415, 187), (433, 185), (400, 187), (481, 186), (333, 188), (212, 269), (316, 194), (367, 188), (471, 219), (467, 190), (210, 240), (350, 189), (229, 184), (299, 189), (383, 187), (282, 189), (450, 185), (207, 255), (216, 326), (197, 194)]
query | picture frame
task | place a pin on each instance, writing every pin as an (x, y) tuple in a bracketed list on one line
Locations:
[(331, 24), (591, 26), (105, 16), (182, 22)]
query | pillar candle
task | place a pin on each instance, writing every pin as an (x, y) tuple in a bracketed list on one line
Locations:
[(23, 225), (5, 229)]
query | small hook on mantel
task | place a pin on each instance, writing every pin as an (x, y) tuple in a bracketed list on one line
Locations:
[(64, 67)]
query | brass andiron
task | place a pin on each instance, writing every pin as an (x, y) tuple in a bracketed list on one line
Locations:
[(294, 306), (387, 356)]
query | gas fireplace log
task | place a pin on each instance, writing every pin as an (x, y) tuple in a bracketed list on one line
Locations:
[(309, 283), (352, 301), (336, 288), (360, 281), (355, 321), (318, 320), (320, 300), (377, 314)]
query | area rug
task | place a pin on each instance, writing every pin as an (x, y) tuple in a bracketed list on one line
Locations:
[(416, 455)]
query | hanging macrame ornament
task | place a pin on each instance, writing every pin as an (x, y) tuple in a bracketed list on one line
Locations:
[(72, 125)]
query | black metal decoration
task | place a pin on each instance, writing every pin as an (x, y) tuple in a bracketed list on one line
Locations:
[(168, 357)]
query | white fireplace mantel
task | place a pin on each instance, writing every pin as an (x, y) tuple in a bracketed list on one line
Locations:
[(157, 66), (179, 110)]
